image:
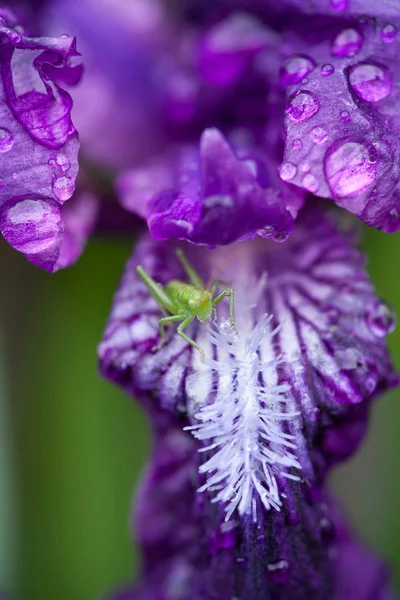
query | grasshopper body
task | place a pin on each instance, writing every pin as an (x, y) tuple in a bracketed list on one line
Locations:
[(186, 301)]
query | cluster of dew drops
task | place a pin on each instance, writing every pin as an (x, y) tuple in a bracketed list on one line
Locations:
[(350, 167)]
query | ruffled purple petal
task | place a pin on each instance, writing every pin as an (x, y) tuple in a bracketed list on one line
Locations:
[(188, 552), (211, 196), (311, 354), (38, 143), (342, 121)]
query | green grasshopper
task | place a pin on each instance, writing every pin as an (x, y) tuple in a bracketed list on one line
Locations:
[(186, 301)]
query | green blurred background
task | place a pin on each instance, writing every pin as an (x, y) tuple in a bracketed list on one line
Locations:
[(72, 446)]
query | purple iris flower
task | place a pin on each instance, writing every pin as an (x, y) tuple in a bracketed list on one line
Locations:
[(239, 131)]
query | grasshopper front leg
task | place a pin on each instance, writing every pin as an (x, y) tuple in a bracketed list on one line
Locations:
[(228, 292)]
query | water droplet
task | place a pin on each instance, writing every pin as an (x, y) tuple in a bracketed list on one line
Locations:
[(347, 43), (339, 5), (63, 162), (287, 171), (305, 167), (327, 529), (302, 105), (345, 116), (318, 135), (381, 318), (63, 188), (388, 34), (348, 169), (280, 237), (6, 140), (297, 144), (327, 70), (295, 69), (310, 183), (371, 82), (30, 226), (278, 572)]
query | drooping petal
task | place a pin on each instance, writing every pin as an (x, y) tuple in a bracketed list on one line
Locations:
[(38, 142), (211, 196), (188, 552), (342, 121)]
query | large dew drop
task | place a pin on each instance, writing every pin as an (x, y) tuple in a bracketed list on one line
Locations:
[(31, 226), (302, 105), (287, 171), (370, 81), (295, 69), (347, 43), (63, 187), (348, 168), (6, 140)]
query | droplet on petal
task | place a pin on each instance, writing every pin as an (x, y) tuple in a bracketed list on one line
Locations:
[(381, 318), (345, 116), (310, 183), (302, 105), (295, 69), (371, 82), (327, 70), (6, 140), (297, 144), (31, 225), (318, 135), (63, 162), (389, 34), (346, 43), (287, 171), (63, 188), (348, 168)]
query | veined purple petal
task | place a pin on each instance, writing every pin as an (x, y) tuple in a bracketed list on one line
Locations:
[(209, 196), (189, 552), (321, 354), (38, 143), (342, 121)]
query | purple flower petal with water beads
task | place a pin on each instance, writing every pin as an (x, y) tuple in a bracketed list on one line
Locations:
[(341, 124), (188, 551), (209, 196), (38, 142)]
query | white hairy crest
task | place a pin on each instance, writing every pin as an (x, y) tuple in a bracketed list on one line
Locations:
[(247, 443)]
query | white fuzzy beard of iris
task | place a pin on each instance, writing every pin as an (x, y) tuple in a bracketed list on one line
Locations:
[(244, 425)]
